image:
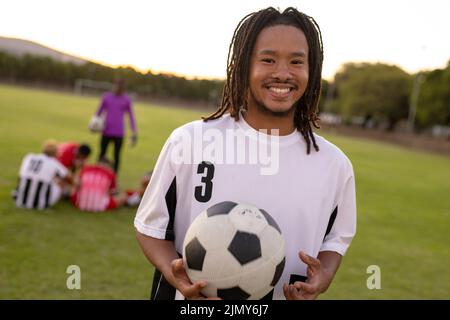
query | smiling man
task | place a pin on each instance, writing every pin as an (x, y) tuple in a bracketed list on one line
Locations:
[(272, 89), (278, 77)]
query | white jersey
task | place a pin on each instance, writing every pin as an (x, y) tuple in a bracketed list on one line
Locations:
[(36, 188), (311, 197)]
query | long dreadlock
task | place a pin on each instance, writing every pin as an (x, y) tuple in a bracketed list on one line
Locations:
[(234, 96)]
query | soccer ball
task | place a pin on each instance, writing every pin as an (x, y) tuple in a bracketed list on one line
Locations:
[(237, 249), (96, 124)]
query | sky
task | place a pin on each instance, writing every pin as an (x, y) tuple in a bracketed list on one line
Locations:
[(191, 37)]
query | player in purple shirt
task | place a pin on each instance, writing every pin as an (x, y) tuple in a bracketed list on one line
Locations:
[(116, 104)]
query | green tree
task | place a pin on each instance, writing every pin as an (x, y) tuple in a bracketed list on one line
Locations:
[(433, 106), (373, 91)]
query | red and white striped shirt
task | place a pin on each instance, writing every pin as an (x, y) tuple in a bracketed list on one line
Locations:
[(96, 182)]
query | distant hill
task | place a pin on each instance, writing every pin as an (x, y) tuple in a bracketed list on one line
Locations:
[(20, 47)]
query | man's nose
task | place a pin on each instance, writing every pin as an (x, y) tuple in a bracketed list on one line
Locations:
[(282, 71)]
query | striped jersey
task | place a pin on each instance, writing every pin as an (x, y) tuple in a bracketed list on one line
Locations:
[(95, 184), (36, 188)]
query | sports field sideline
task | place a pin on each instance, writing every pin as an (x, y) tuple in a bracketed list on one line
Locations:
[(402, 195)]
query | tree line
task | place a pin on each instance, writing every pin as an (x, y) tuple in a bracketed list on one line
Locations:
[(44, 70), (382, 94), (377, 93)]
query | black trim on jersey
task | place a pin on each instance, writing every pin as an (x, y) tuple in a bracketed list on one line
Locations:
[(171, 203), (37, 195), (25, 192), (296, 277), (331, 221), (47, 195), (15, 192), (268, 296), (161, 288)]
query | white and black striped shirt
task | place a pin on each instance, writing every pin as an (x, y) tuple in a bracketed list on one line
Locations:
[(36, 187)]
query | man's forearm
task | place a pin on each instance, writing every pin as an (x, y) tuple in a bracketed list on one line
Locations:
[(329, 261)]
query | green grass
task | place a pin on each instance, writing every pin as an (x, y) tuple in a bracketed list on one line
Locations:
[(403, 212), (403, 223)]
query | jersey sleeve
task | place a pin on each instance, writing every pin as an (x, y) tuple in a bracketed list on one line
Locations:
[(101, 108), (113, 182), (156, 212), (61, 170), (343, 229), (131, 116), (24, 165)]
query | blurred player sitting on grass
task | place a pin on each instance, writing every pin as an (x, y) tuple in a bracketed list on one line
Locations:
[(135, 196), (41, 178), (95, 187), (73, 155)]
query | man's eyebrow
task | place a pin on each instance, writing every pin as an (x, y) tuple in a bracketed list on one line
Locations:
[(301, 54), (268, 52), (273, 53)]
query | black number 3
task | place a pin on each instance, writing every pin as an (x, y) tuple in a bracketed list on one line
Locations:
[(203, 192)]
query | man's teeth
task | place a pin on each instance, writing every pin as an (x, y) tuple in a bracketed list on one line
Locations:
[(279, 90)]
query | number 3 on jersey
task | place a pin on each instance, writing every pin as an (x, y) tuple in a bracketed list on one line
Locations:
[(203, 192)]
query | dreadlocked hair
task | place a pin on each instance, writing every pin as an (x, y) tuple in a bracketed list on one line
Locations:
[(234, 96)]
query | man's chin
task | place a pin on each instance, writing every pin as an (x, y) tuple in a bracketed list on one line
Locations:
[(273, 108), (277, 111)]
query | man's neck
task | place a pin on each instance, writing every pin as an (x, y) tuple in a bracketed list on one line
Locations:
[(261, 121)]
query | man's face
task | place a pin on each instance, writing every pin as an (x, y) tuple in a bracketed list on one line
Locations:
[(119, 86), (79, 161), (278, 70)]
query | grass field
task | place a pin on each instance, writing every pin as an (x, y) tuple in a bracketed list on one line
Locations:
[(403, 212)]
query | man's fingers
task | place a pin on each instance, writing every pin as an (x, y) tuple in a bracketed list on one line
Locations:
[(189, 290), (177, 267), (292, 293), (295, 294), (305, 287), (310, 261), (193, 290), (286, 292), (199, 285)]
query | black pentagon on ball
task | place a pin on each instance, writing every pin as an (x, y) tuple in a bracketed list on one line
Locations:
[(234, 293), (220, 208), (195, 254), (270, 220), (245, 247), (278, 272)]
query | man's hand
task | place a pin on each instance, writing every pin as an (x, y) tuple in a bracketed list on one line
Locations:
[(190, 290), (133, 140), (318, 281)]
